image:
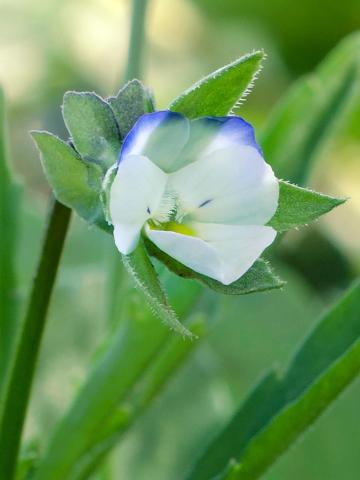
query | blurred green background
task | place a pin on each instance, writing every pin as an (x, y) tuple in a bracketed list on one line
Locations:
[(49, 46)]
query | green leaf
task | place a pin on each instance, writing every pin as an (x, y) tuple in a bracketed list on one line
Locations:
[(282, 407), (93, 128), (299, 206), (163, 367), (129, 351), (305, 118), (132, 101), (258, 278), (9, 214), (28, 459), (138, 264), (69, 177), (218, 93)]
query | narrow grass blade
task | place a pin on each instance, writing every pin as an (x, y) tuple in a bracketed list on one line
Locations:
[(282, 407), (305, 118)]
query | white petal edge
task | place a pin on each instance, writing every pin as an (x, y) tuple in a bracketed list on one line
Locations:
[(234, 185), (224, 252), (135, 193)]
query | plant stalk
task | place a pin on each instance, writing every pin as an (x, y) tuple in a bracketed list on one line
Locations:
[(29, 340), (136, 41), (9, 210)]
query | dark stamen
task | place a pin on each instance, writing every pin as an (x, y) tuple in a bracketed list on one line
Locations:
[(148, 210)]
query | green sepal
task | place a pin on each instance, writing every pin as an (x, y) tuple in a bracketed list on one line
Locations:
[(93, 128), (258, 278), (70, 178), (105, 191), (299, 206), (139, 265), (218, 93), (132, 101)]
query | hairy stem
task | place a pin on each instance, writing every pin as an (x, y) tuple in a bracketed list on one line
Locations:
[(29, 340)]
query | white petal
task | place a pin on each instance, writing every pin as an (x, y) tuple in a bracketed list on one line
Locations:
[(224, 252), (126, 237), (160, 136), (191, 251), (238, 246), (134, 195), (234, 185)]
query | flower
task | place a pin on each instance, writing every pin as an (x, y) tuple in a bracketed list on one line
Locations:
[(200, 190)]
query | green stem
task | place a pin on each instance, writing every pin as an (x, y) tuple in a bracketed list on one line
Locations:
[(21, 375), (9, 203), (136, 42)]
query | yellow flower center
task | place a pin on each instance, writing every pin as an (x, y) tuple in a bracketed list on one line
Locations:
[(174, 227)]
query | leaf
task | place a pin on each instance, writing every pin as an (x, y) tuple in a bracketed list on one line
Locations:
[(129, 351), (282, 407), (93, 128), (218, 93), (29, 456), (299, 206), (258, 278), (163, 367), (9, 214), (305, 118), (320, 261), (138, 264), (69, 176), (132, 101)]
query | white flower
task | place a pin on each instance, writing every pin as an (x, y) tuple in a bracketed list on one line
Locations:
[(199, 190)]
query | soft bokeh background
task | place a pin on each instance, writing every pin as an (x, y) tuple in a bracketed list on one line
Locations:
[(49, 46)]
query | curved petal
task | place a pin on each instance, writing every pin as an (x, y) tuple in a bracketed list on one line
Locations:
[(160, 136), (208, 134), (224, 252), (234, 185), (191, 251), (135, 193)]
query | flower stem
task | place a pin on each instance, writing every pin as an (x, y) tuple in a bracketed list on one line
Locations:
[(29, 339), (9, 210), (136, 41)]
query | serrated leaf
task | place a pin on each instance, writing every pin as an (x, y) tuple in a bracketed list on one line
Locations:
[(93, 128), (258, 278), (218, 93), (132, 101), (68, 177), (282, 407), (303, 120), (299, 206), (138, 264)]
